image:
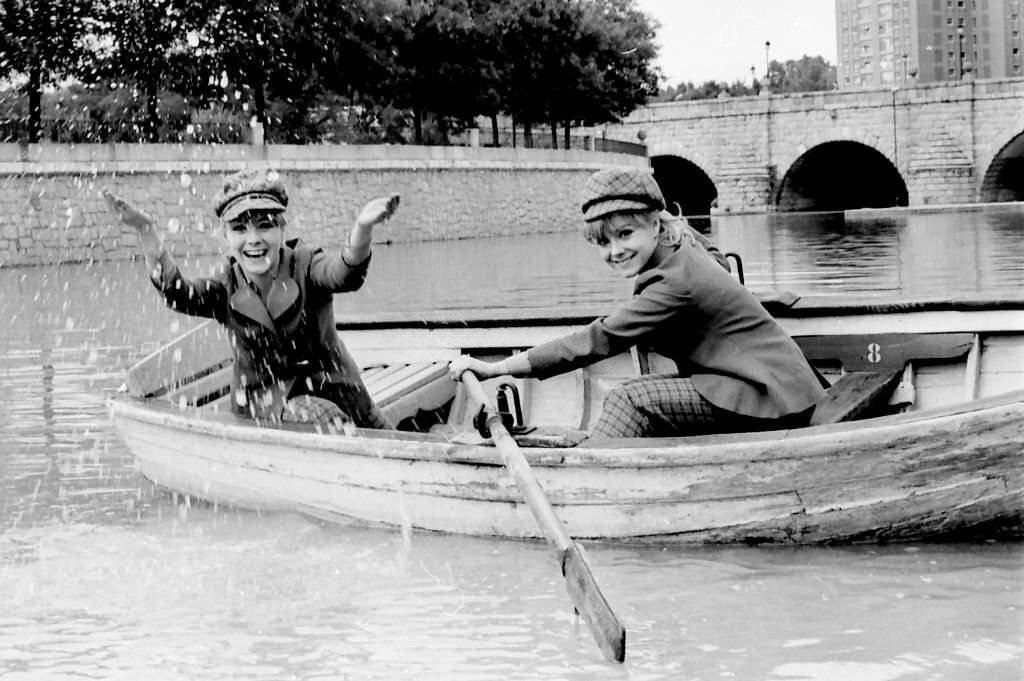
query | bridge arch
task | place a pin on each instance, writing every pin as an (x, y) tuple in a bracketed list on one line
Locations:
[(1004, 176), (685, 183), (840, 175)]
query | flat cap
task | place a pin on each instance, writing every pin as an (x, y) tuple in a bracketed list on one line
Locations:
[(250, 189), (616, 190)]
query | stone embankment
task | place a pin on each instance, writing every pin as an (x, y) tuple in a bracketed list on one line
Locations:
[(53, 211)]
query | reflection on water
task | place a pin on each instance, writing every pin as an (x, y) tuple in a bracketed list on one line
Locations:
[(897, 253), (104, 576)]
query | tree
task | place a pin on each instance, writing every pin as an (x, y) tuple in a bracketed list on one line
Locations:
[(43, 41), (586, 61), (148, 44), (437, 63), (807, 74)]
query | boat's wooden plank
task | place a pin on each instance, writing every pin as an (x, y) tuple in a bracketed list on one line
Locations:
[(996, 416), (382, 374), (424, 397), (204, 389), (1002, 364), (792, 514), (856, 393), (780, 303), (972, 371), (413, 388), (408, 378), (938, 386), (904, 395), (189, 355)]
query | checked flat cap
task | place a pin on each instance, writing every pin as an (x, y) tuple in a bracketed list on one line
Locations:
[(616, 190)]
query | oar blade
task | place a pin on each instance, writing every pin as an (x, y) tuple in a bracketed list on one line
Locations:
[(591, 604)]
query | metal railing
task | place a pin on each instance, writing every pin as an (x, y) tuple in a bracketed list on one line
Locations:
[(90, 131)]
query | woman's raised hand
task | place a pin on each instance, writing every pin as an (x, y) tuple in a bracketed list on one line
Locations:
[(377, 210), (129, 214)]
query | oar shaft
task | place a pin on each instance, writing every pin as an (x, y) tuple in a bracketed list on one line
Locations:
[(584, 592), (535, 497)]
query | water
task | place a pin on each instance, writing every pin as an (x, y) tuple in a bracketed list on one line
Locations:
[(104, 577)]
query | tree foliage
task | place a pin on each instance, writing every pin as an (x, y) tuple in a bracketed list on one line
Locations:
[(41, 42), (307, 69), (807, 74)]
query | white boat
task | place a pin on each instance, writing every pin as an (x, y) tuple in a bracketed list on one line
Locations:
[(920, 438)]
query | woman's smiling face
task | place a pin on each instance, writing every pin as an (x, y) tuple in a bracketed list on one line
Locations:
[(627, 242), (255, 239)]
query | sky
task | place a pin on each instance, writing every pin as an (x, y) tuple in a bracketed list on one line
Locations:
[(703, 40)]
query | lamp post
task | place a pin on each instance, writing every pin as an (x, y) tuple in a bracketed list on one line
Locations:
[(767, 72)]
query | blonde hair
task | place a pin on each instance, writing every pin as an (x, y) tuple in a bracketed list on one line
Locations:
[(672, 228)]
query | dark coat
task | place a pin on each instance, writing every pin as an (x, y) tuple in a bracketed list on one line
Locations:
[(692, 311), (287, 345)]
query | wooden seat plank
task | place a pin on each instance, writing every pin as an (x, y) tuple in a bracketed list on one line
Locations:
[(855, 394), (407, 389), (203, 389), (416, 375)]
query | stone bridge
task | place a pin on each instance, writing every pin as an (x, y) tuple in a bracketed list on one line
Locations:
[(954, 143)]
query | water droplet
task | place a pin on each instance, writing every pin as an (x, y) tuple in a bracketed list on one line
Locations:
[(173, 226), (186, 180)]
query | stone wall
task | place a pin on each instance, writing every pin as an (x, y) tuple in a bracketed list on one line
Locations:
[(53, 212)]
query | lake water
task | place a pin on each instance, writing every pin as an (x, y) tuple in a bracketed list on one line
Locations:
[(104, 577)]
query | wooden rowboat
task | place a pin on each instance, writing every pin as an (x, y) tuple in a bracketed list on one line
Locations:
[(921, 437)]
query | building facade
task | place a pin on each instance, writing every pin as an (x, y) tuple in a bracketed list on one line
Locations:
[(896, 43)]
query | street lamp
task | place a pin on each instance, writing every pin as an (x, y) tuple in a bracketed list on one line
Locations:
[(767, 73)]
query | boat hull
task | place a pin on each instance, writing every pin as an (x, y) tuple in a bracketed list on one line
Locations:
[(950, 473)]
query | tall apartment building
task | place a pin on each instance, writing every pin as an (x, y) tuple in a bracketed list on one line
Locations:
[(893, 43)]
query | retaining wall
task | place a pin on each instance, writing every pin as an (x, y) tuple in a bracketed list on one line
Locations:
[(51, 209)]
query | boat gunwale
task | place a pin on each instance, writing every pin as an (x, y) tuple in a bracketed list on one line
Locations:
[(672, 452), (780, 304)]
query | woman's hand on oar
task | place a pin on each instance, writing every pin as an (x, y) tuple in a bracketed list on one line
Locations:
[(583, 590)]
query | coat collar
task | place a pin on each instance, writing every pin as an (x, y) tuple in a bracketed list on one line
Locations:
[(281, 299)]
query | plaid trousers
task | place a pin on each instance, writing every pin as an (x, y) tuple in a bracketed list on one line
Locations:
[(324, 411), (668, 406)]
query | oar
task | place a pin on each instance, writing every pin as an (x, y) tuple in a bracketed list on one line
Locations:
[(586, 596)]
